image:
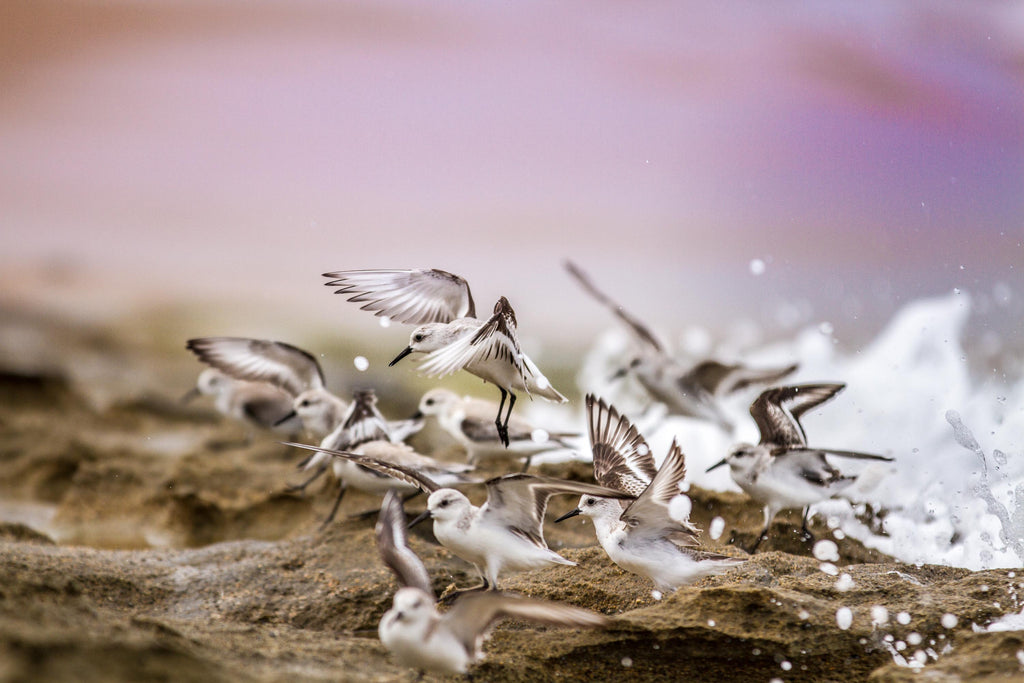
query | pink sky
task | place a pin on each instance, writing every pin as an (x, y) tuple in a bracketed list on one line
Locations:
[(868, 152)]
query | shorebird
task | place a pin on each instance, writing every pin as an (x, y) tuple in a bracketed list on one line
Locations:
[(420, 637), (690, 391), (448, 331), (640, 536), (468, 421), (782, 471), (365, 431), (253, 403), (295, 371), (505, 533)]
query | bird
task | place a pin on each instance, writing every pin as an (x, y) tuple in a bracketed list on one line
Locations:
[(293, 370), (366, 432), (641, 536), (468, 421), (782, 471), (505, 534), (420, 637), (448, 331), (689, 391), (254, 404)]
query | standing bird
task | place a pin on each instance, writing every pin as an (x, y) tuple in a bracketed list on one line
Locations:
[(419, 637), (366, 432), (640, 536), (468, 421), (688, 391), (293, 370), (782, 471), (442, 307), (255, 404), (505, 533)]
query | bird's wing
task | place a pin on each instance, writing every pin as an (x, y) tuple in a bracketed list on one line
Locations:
[(393, 545), (261, 360), (519, 501), (407, 474), (414, 297), (649, 513), (473, 614), (855, 455), (777, 411), (495, 339), (622, 459), (639, 330)]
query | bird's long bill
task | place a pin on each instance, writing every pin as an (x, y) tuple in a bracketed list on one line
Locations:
[(285, 418), (405, 352), (190, 394), (567, 515), (419, 518), (716, 465), (619, 374), (418, 415)]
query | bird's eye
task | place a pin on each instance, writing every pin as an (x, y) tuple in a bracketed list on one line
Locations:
[(304, 403), (444, 503), (417, 337), (430, 401), (591, 501)]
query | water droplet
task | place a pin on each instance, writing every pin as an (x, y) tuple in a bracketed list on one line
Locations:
[(829, 568), (844, 583), (844, 618), (711, 623), (826, 328), (914, 638), (656, 594), (879, 615), (757, 266), (385, 321), (716, 528), (949, 620), (539, 436), (786, 665), (642, 449), (361, 363), (826, 550), (627, 662), (903, 618)]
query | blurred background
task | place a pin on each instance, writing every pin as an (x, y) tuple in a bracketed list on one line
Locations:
[(714, 165)]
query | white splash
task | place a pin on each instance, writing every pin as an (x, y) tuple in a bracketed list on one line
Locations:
[(954, 494)]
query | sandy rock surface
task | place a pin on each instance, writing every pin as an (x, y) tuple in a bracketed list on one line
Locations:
[(147, 540)]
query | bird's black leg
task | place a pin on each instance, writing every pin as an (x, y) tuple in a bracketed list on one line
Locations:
[(337, 504), (808, 536), (502, 431), (526, 464), (303, 485)]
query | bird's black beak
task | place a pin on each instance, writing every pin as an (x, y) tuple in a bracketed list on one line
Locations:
[(716, 465), (190, 394), (567, 515), (418, 415), (403, 354), (619, 374), (285, 418), (419, 518)]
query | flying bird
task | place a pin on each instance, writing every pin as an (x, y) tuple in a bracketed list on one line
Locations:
[(441, 306)]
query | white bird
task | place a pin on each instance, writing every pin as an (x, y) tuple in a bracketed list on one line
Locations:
[(255, 404), (287, 367), (441, 304), (365, 431), (420, 637), (469, 421), (689, 391), (506, 533), (782, 471), (641, 536)]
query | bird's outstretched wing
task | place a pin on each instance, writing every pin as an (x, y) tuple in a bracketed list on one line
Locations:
[(414, 297)]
